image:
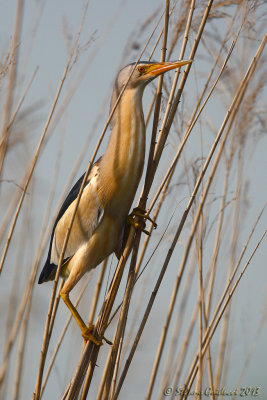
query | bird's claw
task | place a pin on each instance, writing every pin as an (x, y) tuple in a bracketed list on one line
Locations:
[(139, 212), (107, 341), (88, 336)]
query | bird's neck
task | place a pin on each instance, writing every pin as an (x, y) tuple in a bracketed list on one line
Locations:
[(122, 164)]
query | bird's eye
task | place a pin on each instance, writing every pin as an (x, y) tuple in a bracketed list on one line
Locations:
[(141, 69)]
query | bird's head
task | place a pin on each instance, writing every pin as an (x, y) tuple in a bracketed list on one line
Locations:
[(145, 72)]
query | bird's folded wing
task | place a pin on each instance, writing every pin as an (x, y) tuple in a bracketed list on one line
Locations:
[(88, 216)]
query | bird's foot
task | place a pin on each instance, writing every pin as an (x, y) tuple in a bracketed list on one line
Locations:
[(86, 331), (141, 213), (88, 336)]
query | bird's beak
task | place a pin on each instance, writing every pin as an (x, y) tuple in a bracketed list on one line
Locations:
[(159, 68)]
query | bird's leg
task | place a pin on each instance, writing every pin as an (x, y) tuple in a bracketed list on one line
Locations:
[(140, 212), (86, 331)]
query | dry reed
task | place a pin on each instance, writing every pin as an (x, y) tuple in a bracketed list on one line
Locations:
[(178, 328)]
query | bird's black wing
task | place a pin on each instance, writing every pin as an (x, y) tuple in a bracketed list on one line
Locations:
[(73, 194), (49, 269)]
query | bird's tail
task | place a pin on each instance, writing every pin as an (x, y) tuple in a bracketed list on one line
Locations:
[(48, 272)]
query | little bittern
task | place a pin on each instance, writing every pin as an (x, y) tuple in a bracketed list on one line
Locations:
[(101, 216)]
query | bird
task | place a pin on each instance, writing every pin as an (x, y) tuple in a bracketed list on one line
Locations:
[(101, 217)]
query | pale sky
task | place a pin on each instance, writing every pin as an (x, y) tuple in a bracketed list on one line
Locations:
[(108, 27)]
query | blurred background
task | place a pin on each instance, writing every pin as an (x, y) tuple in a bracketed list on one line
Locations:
[(113, 35)]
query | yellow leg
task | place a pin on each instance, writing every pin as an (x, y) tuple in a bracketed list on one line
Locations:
[(139, 212), (86, 331)]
